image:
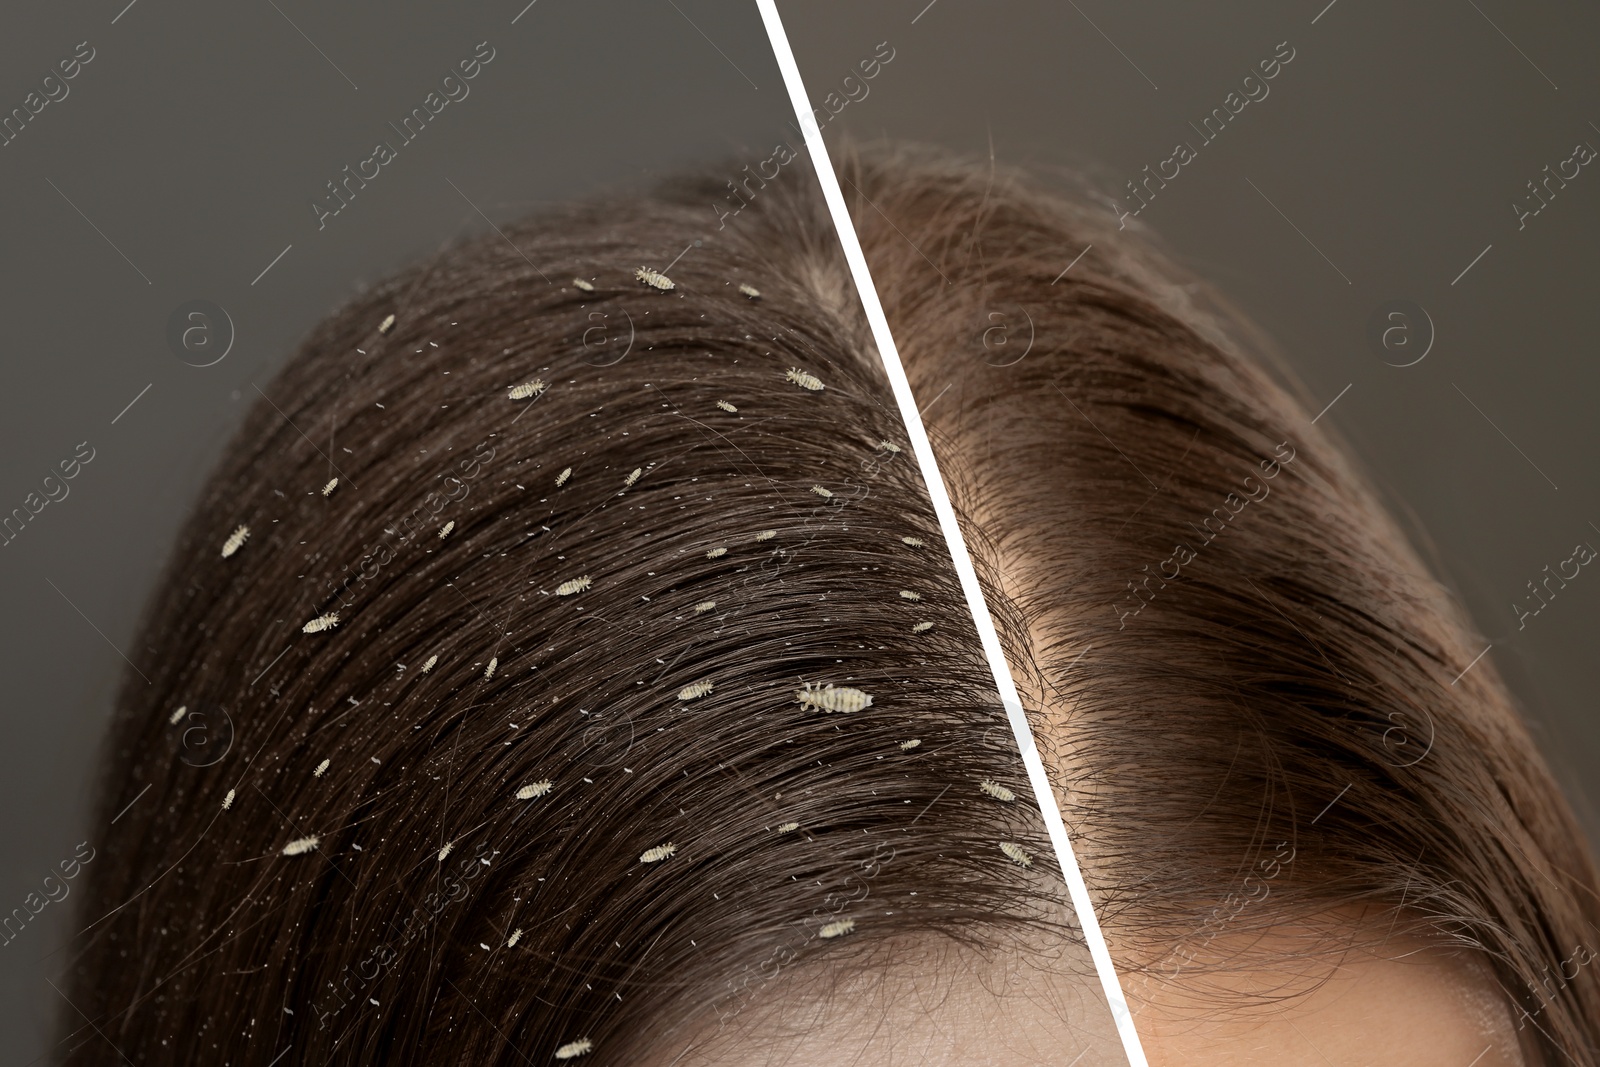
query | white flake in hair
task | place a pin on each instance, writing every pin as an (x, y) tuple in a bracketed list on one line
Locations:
[(444, 531), (838, 928), (804, 379), (907, 746), (654, 279), (322, 768), (716, 552), (627, 483), (695, 690), (321, 623), (833, 698), (443, 852), (907, 594), (574, 585), (922, 627), (235, 541), (527, 389), (227, 801), (826, 494), (704, 606), (914, 542), (333, 483), (729, 408), (996, 790), (387, 324), (494, 661), (657, 854), (561, 479), (581, 284), (788, 827), (428, 666), (888, 446), (537, 789), (301, 845), (516, 935), (1016, 854), (749, 290), (574, 1048), (176, 715)]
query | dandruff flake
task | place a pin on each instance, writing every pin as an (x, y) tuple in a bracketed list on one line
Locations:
[(321, 623), (659, 853), (654, 279), (235, 540), (574, 585), (804, 379)]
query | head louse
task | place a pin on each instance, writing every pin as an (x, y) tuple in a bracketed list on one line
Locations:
[(387, 324), (749, 290), (922, 627), (488, 672), (729, 408), (428, 666), (914, 542), (804, 379), (321, 623), (1016, 854), (996, 790), (516, 935), (833, 698), (527, 389), (654, 279), (716, 553), (581, 284), (561, 479), (704, 606), (227, 801), (235, 541), (659, 853), (537, 789), (322, 768), (887, 445), (765, 535), (907, 746), (837, 928), (574, 585), (824, 493), (907, 594), (301, 845), (627, 483), (444, 531), (696, 690), (788, 828), (445, 851), (172, 720), (574, 1048), (327, 490)]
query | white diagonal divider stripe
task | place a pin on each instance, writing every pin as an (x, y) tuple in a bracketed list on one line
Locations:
[(952, 533)]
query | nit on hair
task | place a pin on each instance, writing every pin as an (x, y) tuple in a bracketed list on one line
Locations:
[(654, 279), (235, 540), (321, 623), (804, 379)]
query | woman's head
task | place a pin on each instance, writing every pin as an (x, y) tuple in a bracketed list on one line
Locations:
[(559, 769)]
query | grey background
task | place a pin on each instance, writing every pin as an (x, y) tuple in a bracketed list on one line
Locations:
[(195, 139)]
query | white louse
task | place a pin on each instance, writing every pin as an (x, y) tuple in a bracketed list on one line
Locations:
[(527, 389), (574, 585), (907, 746), (907, 594), (765, 535), (322, 768), (301, 845), (428, 666), (837, 928), (804, 379), (749, 290), (654, 279), (581, 284), (227, 801), (387, 324), (444, 531), (561, 479), (716, 553), (172, 719), (788, 828), (627, 483), (235, 540), (887, 445), (327, 490), (1016, 854), (996, 790), (516, 935), (824, 493), (444, 852), (574, 1048), (833, 698), (537, 789), (914, 542), (704, 606), (922, 627), (696, 690), (494, 661), (729, 408), (321, 623), (659, 853)]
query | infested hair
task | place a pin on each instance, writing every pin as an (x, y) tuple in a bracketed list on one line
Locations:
[(1218, 673)]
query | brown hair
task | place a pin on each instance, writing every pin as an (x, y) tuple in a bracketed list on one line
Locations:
[(510, 711)]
